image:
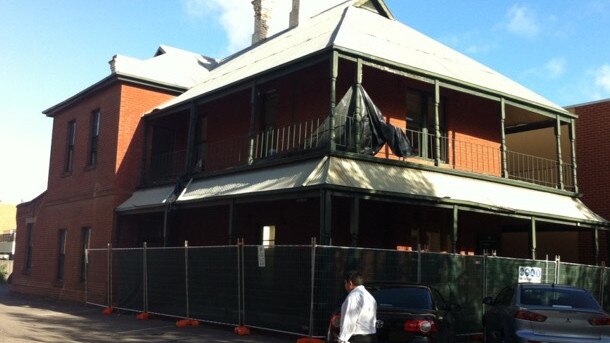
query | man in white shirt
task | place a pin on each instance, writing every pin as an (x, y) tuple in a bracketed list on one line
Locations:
[(358, 312)]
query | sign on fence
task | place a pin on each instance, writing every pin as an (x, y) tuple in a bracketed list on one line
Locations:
[(530, 274), (261, 256)]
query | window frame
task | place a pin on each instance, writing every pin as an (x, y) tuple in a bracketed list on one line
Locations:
[(94, 133), (61, 254), (29, 248), (70, 144), (85, 244)]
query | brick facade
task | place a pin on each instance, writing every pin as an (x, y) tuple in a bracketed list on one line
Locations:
[(85, 196), (593, 167)]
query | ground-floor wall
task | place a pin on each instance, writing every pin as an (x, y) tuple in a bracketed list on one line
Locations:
[(365, 222), (50, 252)]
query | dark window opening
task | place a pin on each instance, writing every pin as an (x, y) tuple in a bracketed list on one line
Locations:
[(86, 237), (70, 146), (95, 132), (61, 254), (420, 124), (29, 247)]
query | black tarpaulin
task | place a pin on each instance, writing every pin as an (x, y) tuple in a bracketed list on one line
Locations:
[(374, 131)]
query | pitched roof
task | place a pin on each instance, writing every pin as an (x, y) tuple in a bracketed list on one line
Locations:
[(170, 68), (365, 28)]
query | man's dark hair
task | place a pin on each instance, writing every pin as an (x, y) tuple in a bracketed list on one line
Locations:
[(355, 277)]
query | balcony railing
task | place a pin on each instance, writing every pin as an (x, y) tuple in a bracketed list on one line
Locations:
[(470, 155), (166, 166)]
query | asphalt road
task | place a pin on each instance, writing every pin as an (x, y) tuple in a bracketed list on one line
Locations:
[(26, 318)]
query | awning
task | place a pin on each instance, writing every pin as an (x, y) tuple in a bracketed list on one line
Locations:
[(457, 189), (393, 180), (286, 177), (146, 199)]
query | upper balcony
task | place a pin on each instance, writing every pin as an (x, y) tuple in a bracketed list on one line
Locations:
[(312, 136), (448, 129)]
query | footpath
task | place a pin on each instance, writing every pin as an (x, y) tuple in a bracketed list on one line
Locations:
[(25, 318)]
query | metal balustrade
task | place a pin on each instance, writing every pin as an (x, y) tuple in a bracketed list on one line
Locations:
[(468, 155)]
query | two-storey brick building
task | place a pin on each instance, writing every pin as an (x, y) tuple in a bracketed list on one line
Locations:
[(348, 126)]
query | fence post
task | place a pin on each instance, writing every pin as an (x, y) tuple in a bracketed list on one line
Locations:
[(557, 266), (546, 268), (418, 263), (145, 276), (601, 284), (87, 276), (484, 273), (239, 321), (313, 272), (186, 278), (109, 275)]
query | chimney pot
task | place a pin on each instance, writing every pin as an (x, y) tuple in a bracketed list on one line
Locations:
[(261, 15), (294, 14)]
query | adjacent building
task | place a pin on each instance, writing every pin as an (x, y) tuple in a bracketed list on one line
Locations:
[(348, 127)]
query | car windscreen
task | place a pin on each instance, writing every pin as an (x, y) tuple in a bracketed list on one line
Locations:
[(404, 297), (558, 297)]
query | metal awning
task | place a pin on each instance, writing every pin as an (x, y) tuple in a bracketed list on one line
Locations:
[(394, 180), (146, 199)]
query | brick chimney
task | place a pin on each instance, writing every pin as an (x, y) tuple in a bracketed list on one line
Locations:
[(261, 15), (294, 15)]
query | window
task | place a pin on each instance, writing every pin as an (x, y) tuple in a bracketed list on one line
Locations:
[(95, 132), (86, 237), (268, 235), (201, 138), (269, 106), (420, 123), (61, 254), (70, 146), (29, 247)]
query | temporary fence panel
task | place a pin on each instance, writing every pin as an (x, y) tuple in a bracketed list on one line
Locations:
[(128, 279), (97, 276), (295, 289), (332, 264), (460, 281), (213, 290), (587, 277), (277, 288), (166, 270)]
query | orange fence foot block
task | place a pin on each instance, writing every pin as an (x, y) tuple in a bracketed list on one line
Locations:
[(108, 310), (242, 331), (182, 323), (309, 340), (143, 316)]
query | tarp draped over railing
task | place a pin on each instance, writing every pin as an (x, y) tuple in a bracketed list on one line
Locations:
[(294, 289)]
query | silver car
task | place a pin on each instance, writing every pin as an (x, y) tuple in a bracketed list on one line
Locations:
[(546, 313)]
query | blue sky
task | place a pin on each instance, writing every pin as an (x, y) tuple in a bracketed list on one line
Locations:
[(52, 50)]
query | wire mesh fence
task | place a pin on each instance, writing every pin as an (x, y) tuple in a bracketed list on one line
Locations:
[(295, 289)]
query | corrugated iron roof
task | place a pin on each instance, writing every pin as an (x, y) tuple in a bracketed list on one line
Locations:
[(382, 178), (368, 33)]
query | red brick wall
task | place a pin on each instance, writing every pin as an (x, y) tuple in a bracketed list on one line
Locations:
[(87, 196), (593, 166), (592, 150)]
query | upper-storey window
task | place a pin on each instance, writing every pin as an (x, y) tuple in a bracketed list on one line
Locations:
[(269, 107), (95, 133), (420, 123), (70, 146)]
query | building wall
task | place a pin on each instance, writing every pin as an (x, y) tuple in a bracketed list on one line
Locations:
[(86, 196), (593, 168)]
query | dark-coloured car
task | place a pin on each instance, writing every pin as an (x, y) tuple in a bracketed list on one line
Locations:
[(407, 313), (551, 313)]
